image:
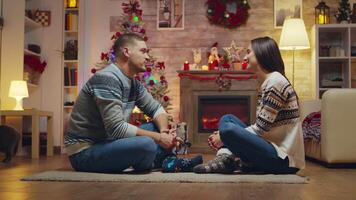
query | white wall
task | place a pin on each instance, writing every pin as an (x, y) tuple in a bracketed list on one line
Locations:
[(51, 82), (11, 49), (97, 35)]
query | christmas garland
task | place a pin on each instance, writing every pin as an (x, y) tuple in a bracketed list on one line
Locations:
[(227, 13), (220, 76)]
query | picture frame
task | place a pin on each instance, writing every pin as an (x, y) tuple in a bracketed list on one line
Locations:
[(170, 14), (284, 9)]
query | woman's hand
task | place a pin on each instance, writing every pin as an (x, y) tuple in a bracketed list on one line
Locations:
[(215, 141)]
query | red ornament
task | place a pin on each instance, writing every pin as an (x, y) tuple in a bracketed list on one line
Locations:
[(148, 69), (151, 83), (166, 98), (162, 78), (244, 64), (93, 70)]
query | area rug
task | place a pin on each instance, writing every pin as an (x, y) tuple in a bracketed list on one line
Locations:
[(159, 177)]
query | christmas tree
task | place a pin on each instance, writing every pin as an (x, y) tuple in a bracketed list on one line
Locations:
[(153, 78), (344, 11)]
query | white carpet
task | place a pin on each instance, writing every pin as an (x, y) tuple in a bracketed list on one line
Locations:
[(158, 177)]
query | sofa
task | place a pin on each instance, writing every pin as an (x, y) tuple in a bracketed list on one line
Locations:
[(338, 127)]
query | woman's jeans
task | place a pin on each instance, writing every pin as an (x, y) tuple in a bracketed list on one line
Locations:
[(139, 152), (251, 148)]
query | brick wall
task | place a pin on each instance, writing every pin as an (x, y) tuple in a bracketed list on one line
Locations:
[(174, 47)]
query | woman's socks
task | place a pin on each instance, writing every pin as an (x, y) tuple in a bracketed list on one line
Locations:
[(222, 163), (175, 164)]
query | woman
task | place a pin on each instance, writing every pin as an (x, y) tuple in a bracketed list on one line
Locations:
[(274, 143)]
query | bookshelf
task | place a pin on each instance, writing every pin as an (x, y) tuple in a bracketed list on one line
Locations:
[(71, 63), (333, 56), (30, 37)]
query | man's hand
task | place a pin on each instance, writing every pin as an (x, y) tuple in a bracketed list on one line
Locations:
[(166, 141), (177, 141), (214, 140), (172, 131)]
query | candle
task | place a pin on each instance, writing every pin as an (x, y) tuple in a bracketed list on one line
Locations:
[(205, 67), (323, 19), (186, 65), (211, 65)]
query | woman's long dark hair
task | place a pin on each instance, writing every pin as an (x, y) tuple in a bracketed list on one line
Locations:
[(268, 55)]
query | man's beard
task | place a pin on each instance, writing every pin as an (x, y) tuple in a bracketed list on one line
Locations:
[(137, 68)]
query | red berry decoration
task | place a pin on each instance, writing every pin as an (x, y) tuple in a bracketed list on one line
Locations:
[(93, 70), (151, 82), (166, 98)]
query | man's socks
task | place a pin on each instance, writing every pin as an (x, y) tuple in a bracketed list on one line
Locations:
[(174, 164)]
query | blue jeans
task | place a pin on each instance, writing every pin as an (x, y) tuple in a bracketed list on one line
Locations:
[(251, 148), (114, 156)]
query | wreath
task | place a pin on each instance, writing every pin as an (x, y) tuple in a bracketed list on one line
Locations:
[(227, 13)]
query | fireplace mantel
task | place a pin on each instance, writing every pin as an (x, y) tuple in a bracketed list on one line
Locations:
[(195, 84), (214, 72)]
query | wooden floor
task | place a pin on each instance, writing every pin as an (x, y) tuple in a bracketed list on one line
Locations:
[(324, 184)]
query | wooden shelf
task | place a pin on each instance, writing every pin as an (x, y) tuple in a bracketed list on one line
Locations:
[(70, 61), (214, 72), (28, 52), (71, 32), (336, 25), (70, 87), (31, 25), (71, 9), (30, 85), (333, 58)]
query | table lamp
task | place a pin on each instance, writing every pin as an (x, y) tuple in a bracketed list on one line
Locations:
[(294, 37), (18, 90)]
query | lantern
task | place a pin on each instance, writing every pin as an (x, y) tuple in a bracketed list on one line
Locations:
[(72, 3), (322, 13)]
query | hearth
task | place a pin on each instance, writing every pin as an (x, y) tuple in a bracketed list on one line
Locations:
[(203, 101)]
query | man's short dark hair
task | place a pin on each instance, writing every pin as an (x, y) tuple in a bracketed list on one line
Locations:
[(125, 39)]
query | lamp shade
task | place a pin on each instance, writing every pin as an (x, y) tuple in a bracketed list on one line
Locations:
[(294, 35), (18, 89)]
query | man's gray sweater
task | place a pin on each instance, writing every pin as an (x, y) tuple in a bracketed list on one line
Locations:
[(103, 108)]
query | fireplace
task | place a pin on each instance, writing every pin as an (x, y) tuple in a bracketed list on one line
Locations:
[(204, 100), (212, 108)]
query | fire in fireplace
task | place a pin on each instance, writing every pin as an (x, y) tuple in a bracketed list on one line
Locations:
[(212, 108)]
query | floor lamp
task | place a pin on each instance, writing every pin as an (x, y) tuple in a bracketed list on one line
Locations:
[(294, 37)]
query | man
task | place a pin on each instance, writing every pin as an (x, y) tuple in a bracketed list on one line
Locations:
[(99, 137)]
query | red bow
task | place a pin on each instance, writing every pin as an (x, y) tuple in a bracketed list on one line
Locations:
[(132, 7), (161, 65)]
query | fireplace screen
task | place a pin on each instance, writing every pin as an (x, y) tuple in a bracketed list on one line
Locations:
[(212, 108)]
